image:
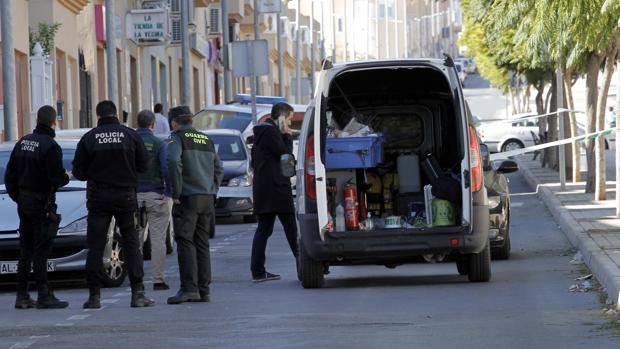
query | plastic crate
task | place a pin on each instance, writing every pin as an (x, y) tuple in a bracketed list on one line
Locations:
[(354, 152)]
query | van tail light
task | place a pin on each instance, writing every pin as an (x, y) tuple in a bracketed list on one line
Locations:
[(475, 161), (309, 170)]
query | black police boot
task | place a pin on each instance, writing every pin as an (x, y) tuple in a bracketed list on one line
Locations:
[(47, 300), (23, 300), (138, 298), (94, 299)]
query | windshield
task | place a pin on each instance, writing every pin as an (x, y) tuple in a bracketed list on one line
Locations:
[(67, 159), (229, 148), (210, 119)]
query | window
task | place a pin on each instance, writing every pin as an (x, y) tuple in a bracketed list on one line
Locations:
[(390, 9), (175, 5), (208, 119), (175, 28), (229, 148), (340, 24)]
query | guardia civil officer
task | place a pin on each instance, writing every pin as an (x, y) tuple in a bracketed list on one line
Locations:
[(195, 173), (33, 175), (109, 157)]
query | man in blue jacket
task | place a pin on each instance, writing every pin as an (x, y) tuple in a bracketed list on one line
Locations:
[(154, 196)]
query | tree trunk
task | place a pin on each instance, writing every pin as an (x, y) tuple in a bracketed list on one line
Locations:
[(601, 175), (526, 101), (551, 153), (576, 149), (593, 65), (617, 147), (540, 109)]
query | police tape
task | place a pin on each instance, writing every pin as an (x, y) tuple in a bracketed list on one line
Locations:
[(553, 113), (593, 135)]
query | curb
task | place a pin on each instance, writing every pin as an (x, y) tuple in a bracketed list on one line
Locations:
[(594, 257)]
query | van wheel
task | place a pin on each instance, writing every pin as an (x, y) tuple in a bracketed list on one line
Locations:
[(462, 264), (480, 265), (310, 271)]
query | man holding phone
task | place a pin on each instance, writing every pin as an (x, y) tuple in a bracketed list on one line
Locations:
[(273, 195)]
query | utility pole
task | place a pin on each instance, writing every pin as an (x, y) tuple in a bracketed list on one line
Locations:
[(312, 48), (367, 29), (323, 29), (334, 20), (280, 57), (225, 39), (298, 54), (110, 38), (8, 73), (560, 105), (406, 34), (256, 37), (186, 97)]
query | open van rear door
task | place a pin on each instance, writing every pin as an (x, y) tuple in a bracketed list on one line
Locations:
[(322, 90)]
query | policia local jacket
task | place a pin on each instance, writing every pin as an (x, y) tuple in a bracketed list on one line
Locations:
[(193, 164), (110, 155), (35, 165)]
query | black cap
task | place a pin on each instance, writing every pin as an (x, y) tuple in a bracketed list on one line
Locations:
[(181, 110)]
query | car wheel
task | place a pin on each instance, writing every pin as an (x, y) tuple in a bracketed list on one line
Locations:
[(480, 265), (310, 271), (462, 264), (512, 144), (249, 219), (114, 273), (503, 253)]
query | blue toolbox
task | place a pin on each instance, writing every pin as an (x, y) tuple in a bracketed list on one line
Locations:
[(354, 152)]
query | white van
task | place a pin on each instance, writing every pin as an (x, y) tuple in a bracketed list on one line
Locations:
[(414, 129)]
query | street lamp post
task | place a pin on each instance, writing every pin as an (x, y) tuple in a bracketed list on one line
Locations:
[(298, 55), (8, 73), (256, 37), (186, 97), (225, 39), (110, 36)]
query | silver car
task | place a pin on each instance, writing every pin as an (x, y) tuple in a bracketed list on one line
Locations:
[(69, 248)]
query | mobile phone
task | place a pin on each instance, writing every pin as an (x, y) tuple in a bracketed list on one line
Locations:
[(282, 123)]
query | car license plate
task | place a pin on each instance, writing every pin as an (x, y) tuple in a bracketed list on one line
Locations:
[(235, 192), (11, 267)]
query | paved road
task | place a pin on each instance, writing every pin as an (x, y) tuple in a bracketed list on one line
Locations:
[(526, 305)]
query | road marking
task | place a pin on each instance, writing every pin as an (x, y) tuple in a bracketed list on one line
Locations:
[(78, 317), (213, 250), (38, 337), (109, 301), (64, 324), (223, 243), (122, 294), (22, 345), (516, 204)]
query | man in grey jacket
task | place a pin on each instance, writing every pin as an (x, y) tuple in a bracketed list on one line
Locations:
[(195, 173)]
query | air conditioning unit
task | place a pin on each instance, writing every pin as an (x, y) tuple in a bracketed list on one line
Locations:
[(214, 20), (285, 25), (270, 22), (305, 35), (175, 29)]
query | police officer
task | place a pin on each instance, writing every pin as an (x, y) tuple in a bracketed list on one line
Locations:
[(195, 174), (33, 174), (109, 157)]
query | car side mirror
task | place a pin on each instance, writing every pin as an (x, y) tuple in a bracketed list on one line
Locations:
[(486, 157), (508, 166), (287, 165)]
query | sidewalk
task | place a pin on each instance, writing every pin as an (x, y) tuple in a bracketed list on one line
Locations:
[(590, 226)]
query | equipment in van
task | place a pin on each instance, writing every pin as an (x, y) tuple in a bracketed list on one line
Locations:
[(428, 199), (350, 206), (393, 222), (340, 226), (431, 168), (409, 173), (354, 152), (443, 213)]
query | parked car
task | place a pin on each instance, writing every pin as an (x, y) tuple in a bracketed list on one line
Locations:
[(502, 136), (418, 107), (499, 202), (461, 71), (235, 195)]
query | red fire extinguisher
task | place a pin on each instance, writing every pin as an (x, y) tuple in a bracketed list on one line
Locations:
[(350, 207)]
